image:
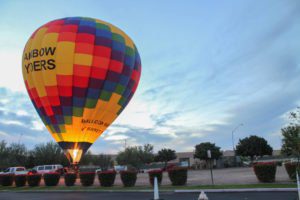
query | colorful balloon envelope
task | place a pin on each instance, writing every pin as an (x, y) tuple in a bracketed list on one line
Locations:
[(80, 73)]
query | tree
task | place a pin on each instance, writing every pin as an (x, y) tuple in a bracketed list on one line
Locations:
[(4, 155), (202, 148), (103, 161), (253, 146), (291, 135), (49, 153), (130, 156), (17, 154), (166, 155), (136, 156), (87, 158), (146, 154)]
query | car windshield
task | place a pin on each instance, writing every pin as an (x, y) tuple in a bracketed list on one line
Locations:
[(40, 168), (20, 169)]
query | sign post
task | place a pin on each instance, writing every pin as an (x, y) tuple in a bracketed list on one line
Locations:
[(210, 165)]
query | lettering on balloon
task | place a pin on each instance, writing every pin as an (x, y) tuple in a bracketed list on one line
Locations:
[(39, 64), (91, 122), (94, 121)]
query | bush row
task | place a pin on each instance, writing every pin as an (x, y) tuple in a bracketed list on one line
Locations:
[(178, 176), (266, 171)]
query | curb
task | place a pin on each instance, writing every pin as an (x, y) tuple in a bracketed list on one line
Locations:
[(238, 190), (162, 191)]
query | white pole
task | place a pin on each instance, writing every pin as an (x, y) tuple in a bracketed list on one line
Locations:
[(202, 196), (298, 184), (156, 193)]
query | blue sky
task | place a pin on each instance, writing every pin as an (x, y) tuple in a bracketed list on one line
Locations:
[(207, 66)]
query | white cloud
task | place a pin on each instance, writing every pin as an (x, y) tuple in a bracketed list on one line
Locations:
[(12, 122), (37, 125), (116, 137)]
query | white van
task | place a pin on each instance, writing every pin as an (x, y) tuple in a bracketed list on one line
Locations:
[(15, 170), (42, 169)]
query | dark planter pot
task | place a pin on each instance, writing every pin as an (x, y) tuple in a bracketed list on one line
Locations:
[(51, 179), (20, 180), (107, 178), (155, 173), (87, 178), (70, 179), (178, 175), (34, 180), (7, 179), (128, 178)]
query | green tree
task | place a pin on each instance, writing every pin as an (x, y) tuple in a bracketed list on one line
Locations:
[(87, 159), (130, 156), (165, 155), (253, 146), (49, 153), (202, 148), (17, 154), (146, 154), (291, 135), (103, 161), (4, 155)]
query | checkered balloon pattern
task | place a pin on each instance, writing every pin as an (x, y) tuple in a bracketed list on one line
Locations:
[(80, 73)]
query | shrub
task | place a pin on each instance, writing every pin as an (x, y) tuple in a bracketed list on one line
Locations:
[(265, 172), (7, 179), (107, 178), (20, 180), (178, 175), (155, 173), (87, 178), (34, 180), (290, 168), (70, 179), (128, 178), (51, 179)]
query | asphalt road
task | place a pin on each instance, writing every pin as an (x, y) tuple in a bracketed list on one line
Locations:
[(146, 196)]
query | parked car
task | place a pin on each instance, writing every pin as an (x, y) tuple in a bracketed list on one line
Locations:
[(42, 169), (15, 170), (119, 168)]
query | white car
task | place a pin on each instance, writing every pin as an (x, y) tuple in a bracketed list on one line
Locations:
[(15, 170), (43, 169)]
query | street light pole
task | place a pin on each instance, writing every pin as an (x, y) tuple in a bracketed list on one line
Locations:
[(232, 137)]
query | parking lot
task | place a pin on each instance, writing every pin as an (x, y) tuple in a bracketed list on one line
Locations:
[(202, 177)]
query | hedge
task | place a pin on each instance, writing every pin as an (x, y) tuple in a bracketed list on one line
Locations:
[(87, 178), (34, 180), (155, 173), (265, 172), (107, 178), (7, 179), (290, 168), (128, 178), (51, 179), (70, 179), (20, 180), (178, 175)]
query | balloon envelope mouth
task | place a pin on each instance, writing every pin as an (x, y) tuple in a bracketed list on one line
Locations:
[(74, 155)]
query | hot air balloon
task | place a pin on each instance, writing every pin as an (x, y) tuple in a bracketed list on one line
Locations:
[(80, 73)]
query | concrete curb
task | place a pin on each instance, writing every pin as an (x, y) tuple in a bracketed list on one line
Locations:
[(162, 191), (238, 190)]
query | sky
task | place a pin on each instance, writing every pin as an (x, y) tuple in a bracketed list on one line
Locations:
[(207, 67)]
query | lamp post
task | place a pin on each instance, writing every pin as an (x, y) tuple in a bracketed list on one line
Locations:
[(232, 137), (210, 166)]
